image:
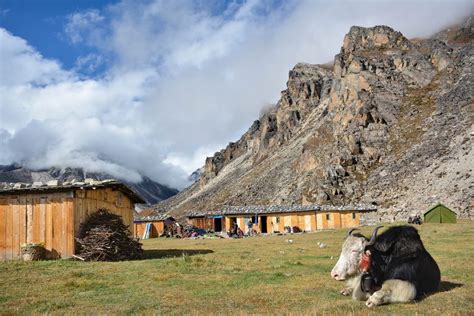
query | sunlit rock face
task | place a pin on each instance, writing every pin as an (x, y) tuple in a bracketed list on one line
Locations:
[(389, 121)]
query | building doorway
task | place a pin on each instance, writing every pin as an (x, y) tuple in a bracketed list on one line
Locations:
[(218, 224), (263, 224)]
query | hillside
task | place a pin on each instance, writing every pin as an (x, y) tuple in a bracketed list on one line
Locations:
[(150, 190), (389, 122)]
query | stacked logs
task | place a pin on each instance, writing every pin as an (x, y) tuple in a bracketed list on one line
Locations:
[(104, 237)]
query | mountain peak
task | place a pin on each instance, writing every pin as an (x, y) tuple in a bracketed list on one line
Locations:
[(380, 36), (386, 123)]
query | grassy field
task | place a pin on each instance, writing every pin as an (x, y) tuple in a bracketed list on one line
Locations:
[(260, 275)]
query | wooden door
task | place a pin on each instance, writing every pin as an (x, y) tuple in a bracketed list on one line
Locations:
[(307, 223)]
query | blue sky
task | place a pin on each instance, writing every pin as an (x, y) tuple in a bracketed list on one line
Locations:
[(152, 87), (42, 22)]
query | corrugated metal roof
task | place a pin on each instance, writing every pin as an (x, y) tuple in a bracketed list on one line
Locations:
[(273, 209), (55, 186), (151, 218)]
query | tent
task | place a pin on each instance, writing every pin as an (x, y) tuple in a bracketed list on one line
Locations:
[(439, 214)]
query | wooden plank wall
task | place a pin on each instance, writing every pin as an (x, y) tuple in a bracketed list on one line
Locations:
[(227, 223), (311, 221), (54, 218), (87, 202), (36, 218), (139, 229), (307, 221), (347, 219), (203, 223), (331, 221), (157, 229), (304, 220)]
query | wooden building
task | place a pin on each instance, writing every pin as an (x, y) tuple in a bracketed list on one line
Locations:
[(156, 221), (280, 218), (207, 221), (52, 214)]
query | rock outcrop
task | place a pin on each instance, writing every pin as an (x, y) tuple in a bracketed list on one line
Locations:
[(389, 122), (306, 86)]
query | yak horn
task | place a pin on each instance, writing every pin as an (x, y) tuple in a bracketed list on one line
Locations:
[(374, 235), (350, 231)]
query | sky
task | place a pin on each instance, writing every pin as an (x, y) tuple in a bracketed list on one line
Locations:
[(153, 87)]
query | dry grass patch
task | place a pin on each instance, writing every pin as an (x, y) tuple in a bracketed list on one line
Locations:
[(264, 275)]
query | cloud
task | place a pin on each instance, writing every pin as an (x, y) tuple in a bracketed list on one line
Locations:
[(89, 63), (20, 63), (51, 117), (84, 26), (182, 79)]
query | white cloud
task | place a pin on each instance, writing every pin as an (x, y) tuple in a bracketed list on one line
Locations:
[(83, 26), (89, 63), (67, 121), (183, 80), (20, 64)]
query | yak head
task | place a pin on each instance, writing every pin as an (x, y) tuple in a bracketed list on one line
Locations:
[(351, 254)]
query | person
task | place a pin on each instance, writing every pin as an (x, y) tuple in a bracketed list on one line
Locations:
[(233, 230), (178, 230), (417, 220), (249, 227)]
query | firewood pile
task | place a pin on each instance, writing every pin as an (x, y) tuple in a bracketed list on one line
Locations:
[(104, 237)]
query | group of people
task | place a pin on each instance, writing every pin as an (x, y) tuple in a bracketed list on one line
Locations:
[(415, 220), (237, 232)]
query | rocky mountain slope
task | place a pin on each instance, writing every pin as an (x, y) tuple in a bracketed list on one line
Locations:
[(151, 191), (390, 122)]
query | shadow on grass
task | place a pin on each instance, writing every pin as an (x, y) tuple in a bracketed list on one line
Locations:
[(446, 286), (173, 253)]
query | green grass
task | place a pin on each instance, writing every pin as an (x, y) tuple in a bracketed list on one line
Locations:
[(263, 275)]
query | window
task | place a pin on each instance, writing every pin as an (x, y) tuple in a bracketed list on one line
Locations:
[(328, 217), (277, 219), (353, 215)]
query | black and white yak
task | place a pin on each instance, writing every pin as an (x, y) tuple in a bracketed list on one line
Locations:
[(393, 267)]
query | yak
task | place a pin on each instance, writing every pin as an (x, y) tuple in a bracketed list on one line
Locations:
[(393, 267)]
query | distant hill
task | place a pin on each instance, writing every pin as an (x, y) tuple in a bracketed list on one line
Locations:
[(389, 122), (150, 190)]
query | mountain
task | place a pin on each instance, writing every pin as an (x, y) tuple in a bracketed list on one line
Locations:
[(195, 176), (389, 122), (151, 191)]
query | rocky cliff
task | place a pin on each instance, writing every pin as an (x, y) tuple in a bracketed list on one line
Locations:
[(151, 191), (389, 122)]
